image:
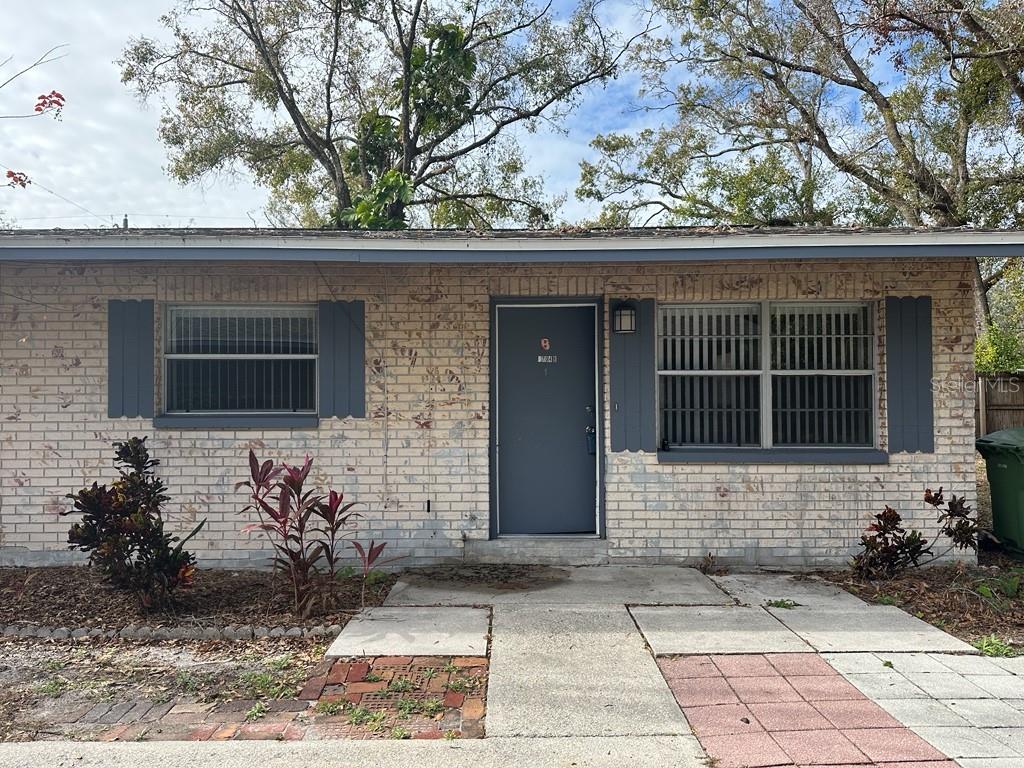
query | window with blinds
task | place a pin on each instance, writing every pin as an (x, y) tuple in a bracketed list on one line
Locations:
[(240, 359), (763, 375)]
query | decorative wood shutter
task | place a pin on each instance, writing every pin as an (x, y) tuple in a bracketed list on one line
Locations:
[(342, 359), (130, 358), (632, 379), (908, 355)]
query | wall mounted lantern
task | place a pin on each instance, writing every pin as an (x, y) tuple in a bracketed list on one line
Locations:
[(624, 319)]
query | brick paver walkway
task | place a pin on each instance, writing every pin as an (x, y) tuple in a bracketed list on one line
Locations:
[(421, 697), (756, 710)]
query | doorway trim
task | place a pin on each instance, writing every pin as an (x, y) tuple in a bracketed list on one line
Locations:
[(524, 302)]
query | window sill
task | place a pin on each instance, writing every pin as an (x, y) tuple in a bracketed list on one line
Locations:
[(236, 421), (773, 456)]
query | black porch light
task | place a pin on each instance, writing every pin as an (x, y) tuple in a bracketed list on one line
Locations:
[(624, 319)]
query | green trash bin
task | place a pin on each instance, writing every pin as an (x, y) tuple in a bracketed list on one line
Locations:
[(1004, 461)]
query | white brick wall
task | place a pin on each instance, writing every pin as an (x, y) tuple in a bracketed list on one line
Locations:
[(429, 326)]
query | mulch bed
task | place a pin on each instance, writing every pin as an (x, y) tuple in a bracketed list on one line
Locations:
[(948, 596), (75, 596)]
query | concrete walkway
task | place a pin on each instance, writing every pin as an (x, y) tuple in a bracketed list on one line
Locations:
[(597, 666)]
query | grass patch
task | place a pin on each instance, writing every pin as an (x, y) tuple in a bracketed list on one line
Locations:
[(463, 684), (398, 732), (55, 686), (401, 685), (993, 645), (783, 603)]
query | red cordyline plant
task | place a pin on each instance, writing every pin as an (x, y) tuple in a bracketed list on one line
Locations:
[(305, 528)]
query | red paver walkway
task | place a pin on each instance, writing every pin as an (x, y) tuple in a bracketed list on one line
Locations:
[(755, 711)]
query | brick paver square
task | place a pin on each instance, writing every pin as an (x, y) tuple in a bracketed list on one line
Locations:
[(789, 716), (825, 688), (763, 690), (859, 713), (674, 668), (749, 750), (892, 744), (721, 720), (702, 691), (825, 747), (800, 664), (744, 666)]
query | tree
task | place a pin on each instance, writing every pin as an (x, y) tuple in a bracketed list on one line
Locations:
[(883, 112), (51, 104), (360, 113)]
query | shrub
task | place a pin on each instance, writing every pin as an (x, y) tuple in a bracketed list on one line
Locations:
[(306, 529), (122, 529), (888, 548)]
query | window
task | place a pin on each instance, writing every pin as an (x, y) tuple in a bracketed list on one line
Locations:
[(763, 375), (240, 359)]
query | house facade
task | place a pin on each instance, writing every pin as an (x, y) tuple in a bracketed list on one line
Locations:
[(549, 397)]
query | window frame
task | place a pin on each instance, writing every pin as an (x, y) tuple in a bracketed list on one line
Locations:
[(236, 418), (767, 450)]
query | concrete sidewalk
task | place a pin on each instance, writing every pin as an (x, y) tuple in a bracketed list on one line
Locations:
[(636, 752)]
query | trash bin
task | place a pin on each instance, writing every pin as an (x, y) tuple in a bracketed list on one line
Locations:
[(1004, 460)]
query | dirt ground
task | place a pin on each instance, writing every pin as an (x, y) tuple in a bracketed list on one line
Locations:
[(41, 682), (76, 596)]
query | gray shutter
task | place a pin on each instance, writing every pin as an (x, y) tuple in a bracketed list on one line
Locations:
[(633, 372), (342, 359), (130, 358), (908, 355)]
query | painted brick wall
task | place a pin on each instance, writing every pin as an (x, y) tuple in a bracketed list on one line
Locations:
[(427, 350)]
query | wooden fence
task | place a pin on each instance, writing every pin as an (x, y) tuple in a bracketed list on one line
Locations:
[(1000, 403)]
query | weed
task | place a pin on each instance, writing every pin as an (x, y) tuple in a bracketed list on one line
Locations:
[(376, 721), (992, 645), (451, 735), (401, 685), (258, 685), (463, 684), (187, 681), (450, 668), (359, 715), (887, 600), (782, 603), (55, 686), (430, 673), (372, 677), (330, 707), (280, 663), (888, 664), (406, 707), (53, 665), (256, 712), (398, 732), (432, 707)]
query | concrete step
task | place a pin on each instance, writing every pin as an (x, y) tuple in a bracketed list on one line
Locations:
[(540, 550)]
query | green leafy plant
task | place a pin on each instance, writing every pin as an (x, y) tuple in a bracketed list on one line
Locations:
[(359, 715), (993, 645), (400, 685), (463, 684), (122, 529), (369, 558), (398, 732), (372, 677), (782, 603), (330, 707), (256, 712)]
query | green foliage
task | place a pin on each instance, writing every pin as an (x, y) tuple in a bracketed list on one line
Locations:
[(877, 112), (382, 206), (256, 712), (993, 645), (330, 708), (371, 115), (122, 529), (999, 350), (782, 603)]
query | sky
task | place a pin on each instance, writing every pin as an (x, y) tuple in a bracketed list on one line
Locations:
[(103, 159)]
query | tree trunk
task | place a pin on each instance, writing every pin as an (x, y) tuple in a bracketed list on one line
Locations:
[(984, 308)]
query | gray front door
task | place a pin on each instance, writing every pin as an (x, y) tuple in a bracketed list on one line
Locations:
[(545, 427)]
